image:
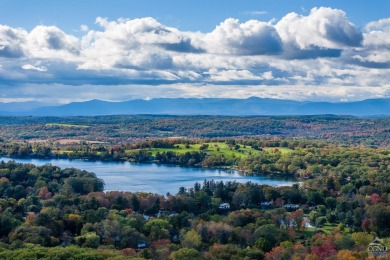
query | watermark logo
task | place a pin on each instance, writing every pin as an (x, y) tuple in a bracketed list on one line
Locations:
[(377, 248)]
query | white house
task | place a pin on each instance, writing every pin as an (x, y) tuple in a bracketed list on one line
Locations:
[(224, 206)]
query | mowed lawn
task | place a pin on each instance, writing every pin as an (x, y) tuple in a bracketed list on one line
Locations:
[(66, 125), (219, 148), (283, 150)]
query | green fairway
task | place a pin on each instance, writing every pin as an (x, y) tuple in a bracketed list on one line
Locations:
[(218, 148), (66, 125), (283, 150)]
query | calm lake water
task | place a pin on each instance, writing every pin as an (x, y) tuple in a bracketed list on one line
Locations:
[(155, 178)]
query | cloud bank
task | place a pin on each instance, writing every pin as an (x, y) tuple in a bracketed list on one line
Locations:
[(296, 57)]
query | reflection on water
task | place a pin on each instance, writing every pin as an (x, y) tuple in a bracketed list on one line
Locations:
[(156, 178)]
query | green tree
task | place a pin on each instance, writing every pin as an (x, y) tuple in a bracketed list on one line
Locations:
[(192, 239), (345, 242), (186, 254), (34, 234), (362, 239), (90, 239), (269, 236), (380, 215)]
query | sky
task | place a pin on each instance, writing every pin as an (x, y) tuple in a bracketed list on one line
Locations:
[(65, 51)]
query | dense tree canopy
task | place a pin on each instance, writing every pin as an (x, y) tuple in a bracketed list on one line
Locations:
[(47, 207), (342, 201)]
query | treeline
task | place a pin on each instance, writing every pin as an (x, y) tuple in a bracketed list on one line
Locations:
[(372, 132), (45, 206), (304, 159)]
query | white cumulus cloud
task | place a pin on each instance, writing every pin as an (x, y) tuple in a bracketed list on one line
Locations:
[(378, 33), (34, 67), (322, 29), (11, 42), (249, 38), (140, 43), (51, 42), (302, 53)]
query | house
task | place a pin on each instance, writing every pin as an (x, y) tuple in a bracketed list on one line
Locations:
[(168, 214), (291, 206), (173, 214), (142, 245), (224, 206), (266, 204)]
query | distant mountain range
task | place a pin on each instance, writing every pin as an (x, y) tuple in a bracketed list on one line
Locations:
[(199, 106)]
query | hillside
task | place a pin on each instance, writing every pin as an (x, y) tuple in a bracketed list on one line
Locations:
[(202, 106)]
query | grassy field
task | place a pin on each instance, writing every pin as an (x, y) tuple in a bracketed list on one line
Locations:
[(66, 125), (220, 148), (327, 229), (283, 150), (65, 151)]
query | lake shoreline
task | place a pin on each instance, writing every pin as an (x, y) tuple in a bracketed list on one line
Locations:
[(225, 168), (154, 178)]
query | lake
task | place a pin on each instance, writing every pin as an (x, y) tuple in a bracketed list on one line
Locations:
[(155, 178)]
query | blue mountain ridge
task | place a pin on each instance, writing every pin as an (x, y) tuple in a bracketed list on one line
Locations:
[(205, 106)]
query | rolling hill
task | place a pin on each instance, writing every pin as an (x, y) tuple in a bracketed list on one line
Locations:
[(203, 106)]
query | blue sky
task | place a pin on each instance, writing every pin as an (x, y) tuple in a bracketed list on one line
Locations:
[(202, 15), (63, 51)]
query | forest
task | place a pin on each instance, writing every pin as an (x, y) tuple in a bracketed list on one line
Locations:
[(372, 132), (53, 213), (341, 204)]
